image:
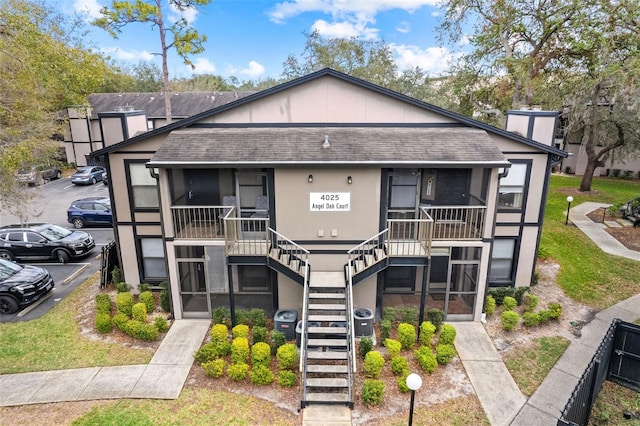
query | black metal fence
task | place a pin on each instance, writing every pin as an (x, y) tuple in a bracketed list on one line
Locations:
[(616, 359), (109, 263)]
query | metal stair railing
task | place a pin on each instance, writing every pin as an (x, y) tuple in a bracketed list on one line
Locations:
[(303, 333), (351, 352), (288, 250), (368, 250)]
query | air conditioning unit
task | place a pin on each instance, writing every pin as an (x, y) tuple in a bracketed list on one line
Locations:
[(285, 320)]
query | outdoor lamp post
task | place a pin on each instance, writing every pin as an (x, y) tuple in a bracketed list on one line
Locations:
[(569, 200), (413, 382)]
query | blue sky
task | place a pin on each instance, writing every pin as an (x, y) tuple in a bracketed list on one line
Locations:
[(250, 39)]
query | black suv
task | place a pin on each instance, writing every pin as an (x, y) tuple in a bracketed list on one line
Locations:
[(21, 285), (43, 241)]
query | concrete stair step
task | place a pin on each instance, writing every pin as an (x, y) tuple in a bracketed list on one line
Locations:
[(336, 296), (328, 330), (328, 342), (330, 318), (335, 284), (326, 397), (327, 306), (327, 369), (321, 382), (335, 355)]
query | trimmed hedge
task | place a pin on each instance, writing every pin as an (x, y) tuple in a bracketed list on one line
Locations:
[(372, 391)]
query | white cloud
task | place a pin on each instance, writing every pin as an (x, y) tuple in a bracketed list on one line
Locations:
[(189, 14), (203, 66), (90, 8), (350, 17), (434, 60), (127, 55), (255, 69), (404, 27)]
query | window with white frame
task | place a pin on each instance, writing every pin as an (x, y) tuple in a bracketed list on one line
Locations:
[(502, 260), (144, 187), (153, 258), (511, 187)]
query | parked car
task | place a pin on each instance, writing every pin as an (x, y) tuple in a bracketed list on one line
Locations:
[(90, 211), (37, 175), (21, 285), (87, 175), (43, 241)]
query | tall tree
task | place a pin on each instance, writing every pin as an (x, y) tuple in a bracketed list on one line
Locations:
[(184, 38), (42, 71)]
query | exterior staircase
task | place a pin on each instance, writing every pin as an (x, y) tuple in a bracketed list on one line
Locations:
[(326, 346)]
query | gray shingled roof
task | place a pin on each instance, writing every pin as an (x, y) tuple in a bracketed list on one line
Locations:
[(303, 145), (183, 104)]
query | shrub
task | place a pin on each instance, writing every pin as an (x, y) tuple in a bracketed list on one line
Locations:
[(426, 359), (242, 316), (393, 347), (445, 353), (103, 322), (219, 333), (388, 313), (518, 294), (259, 334), (436, 317), (410, 315), (257, 317), (555, 310), (143, 287), (287, 378), (277, 340), (510, 320), (239, 350), (220, 315), (103, 304), (427, 331), (238, 372), (261, 375), (120, 320), (214, 368), (406, 335), (207, 352), (372, 391), (402, 382), (447, 334), (261, 354), (499, 293), (535, 278), (147, 332), (489, 305), (240, 330), (124, 303), (373, 363), (131, 327), (139, 312), (116, 275), (544, 315), (146, 297), (123, 287), (510, 303), (399, 365), (161, 324), (287, 356), (164, 297), (530, 302), (530, 319), (385, 329), (365, 346)]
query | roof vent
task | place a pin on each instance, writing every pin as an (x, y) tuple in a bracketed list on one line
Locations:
[(326, 143)]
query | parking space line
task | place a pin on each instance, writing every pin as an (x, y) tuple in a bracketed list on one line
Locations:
[(75, 274), (31, 307)]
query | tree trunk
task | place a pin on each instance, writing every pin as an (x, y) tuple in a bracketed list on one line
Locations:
[(165, 68), (587, 177)]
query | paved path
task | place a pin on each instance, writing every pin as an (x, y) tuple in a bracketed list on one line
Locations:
[(162, 378)]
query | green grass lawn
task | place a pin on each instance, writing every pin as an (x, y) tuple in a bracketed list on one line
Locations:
[(54, 341), (587, 274)]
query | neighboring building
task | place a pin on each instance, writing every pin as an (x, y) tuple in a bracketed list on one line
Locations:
[(430, 206), (142, 112), (618, 164)]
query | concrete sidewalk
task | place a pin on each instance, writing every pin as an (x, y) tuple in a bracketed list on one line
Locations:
[(162, 378)]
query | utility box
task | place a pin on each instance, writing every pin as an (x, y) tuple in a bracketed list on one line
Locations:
[(363, 322), (299, 331), (284, 320)]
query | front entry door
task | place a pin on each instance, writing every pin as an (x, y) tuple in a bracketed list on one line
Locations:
[(452, 187), (202, 187)]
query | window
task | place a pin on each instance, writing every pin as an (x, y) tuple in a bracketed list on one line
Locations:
[(144, 187), (403, 190), (254, 278), (502, 260), (153, 258), (511, 187), (399, 278)]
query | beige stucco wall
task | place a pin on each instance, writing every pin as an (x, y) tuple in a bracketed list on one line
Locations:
[(577, 162)]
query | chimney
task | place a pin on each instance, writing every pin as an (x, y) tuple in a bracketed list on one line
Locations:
[(533, 123)]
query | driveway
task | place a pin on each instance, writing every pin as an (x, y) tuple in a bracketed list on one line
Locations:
[(49, 204)]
